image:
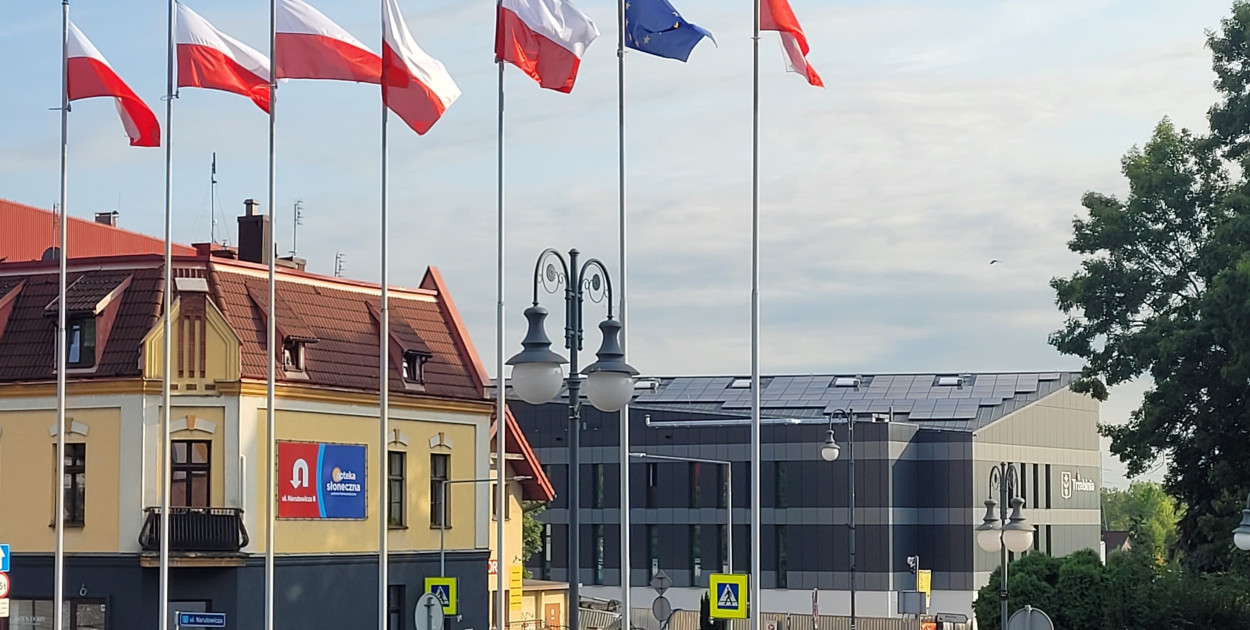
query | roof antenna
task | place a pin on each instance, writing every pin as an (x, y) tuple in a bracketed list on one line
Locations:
[(299, 220), (338, 264), (212, 200)]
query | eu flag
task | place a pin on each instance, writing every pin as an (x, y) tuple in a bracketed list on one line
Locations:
[(654, 26)]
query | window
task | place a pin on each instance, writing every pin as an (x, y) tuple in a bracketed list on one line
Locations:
[(1048, 486), (596, 533), (396, 474), (783, 483), (36, 614), (696, 484), (783, 561), (696, 551), (546, 559), (440, 468), (1036, 495), (191, 470), (653, 548), (74, 483), (292, 355), (494, 503), (80, 342), (395, 607), (722, 535), (597, 481), (653, 485), (414, 366)]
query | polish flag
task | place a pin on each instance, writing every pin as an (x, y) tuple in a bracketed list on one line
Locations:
[(89, 75), (415, 85), (776, 15), (208, 58), (310, 46), (545, 39)]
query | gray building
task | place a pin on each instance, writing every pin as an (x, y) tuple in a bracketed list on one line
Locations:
[(925, 444)]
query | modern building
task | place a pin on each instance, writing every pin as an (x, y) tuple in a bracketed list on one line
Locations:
[(925, 444), (329, 469)]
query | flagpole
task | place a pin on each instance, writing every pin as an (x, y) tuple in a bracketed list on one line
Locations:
[(501, 565), (167, 330), (271, 334), (626, 611), (59, 565), (753, 600), (384, 386)]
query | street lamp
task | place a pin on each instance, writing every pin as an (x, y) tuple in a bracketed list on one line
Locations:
[(537, 374), (1000, 532), (1241, 535), (729, 497), (829, 452)]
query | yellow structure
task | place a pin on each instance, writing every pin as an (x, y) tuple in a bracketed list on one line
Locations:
[(327, 398)]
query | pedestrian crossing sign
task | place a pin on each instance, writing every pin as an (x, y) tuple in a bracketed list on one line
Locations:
[(444, 588), (727, 594)]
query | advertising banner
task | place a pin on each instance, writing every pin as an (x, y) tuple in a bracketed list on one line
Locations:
[(321, 481)]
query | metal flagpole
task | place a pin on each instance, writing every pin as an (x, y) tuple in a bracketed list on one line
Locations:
[(167, 331), (753, 600), (501, 565), (271, 336), (626, 610), (58, 587), (384, 385)]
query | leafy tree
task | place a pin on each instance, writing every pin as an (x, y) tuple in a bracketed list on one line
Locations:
[(1148, 513), (1164, 291), (531, 529)]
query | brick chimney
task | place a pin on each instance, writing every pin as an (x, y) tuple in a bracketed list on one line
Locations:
[(106, 218), (255, 234)]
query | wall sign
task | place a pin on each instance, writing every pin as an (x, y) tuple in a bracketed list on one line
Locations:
[(1072, 482), (321, 481)]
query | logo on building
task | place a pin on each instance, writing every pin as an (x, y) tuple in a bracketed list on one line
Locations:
[(332, 488), (1069, 482)]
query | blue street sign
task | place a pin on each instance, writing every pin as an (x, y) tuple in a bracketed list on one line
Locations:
[(202, 620), (4, 558)]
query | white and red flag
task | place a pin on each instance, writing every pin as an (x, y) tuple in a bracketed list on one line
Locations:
[(415, 85), (545, 39), (88, 75), (311, 46), (776, 15), (208, 58)]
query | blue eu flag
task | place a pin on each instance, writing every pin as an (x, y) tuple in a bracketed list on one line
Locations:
[(654, 26)]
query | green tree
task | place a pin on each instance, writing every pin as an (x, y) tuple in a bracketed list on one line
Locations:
[(1148, 513), (531, 529)]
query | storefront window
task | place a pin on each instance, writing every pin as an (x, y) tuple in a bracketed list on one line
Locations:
[(36, 614)]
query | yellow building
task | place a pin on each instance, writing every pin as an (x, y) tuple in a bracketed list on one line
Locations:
[(328, 471)]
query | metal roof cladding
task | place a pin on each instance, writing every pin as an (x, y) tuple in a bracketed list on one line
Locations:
[(26, 232)]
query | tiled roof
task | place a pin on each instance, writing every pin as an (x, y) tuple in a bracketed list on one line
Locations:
[(28, 344), (29, 232), (346, 352), (334, 312)]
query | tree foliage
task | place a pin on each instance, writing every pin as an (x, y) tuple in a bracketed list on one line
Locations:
[(1163, 291), (1131, 592), (1148, 513), (531, 529)]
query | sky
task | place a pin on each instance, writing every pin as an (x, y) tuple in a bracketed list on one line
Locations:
[(951, 133)]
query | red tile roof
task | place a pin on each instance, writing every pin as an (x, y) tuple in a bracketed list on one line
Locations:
[(29, 232), (538, 487)]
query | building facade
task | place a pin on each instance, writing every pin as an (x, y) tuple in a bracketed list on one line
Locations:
[(328, 471), (924, 447)]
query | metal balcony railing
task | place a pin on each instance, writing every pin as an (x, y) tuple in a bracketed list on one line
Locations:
[(195, 530)]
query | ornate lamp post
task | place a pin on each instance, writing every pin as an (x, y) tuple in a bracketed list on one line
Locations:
[(537, 375), (999, 532), (829, 452), (1241, 535)]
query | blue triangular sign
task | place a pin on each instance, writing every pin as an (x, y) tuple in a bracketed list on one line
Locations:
[(728, 596), (440, 591)]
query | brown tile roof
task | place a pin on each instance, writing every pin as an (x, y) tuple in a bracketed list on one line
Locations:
[(340, 319), (83, 294), (28, 345), (29, 232)]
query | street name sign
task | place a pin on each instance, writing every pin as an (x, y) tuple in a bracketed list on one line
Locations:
[(202, 620)]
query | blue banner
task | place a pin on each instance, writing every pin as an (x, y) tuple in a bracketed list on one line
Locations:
[(341, 476)]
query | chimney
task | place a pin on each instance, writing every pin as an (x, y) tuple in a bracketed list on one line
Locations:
[(255, 234), (106, 218)]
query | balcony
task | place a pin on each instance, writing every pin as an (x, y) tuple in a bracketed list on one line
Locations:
[(197, 536)]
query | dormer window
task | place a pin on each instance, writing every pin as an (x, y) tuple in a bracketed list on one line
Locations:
[(414, 366), (80, 342), (292, 355)]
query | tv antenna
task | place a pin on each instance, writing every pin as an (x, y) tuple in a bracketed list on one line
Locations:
[(299, 220), (212, 200), (339, 258)]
